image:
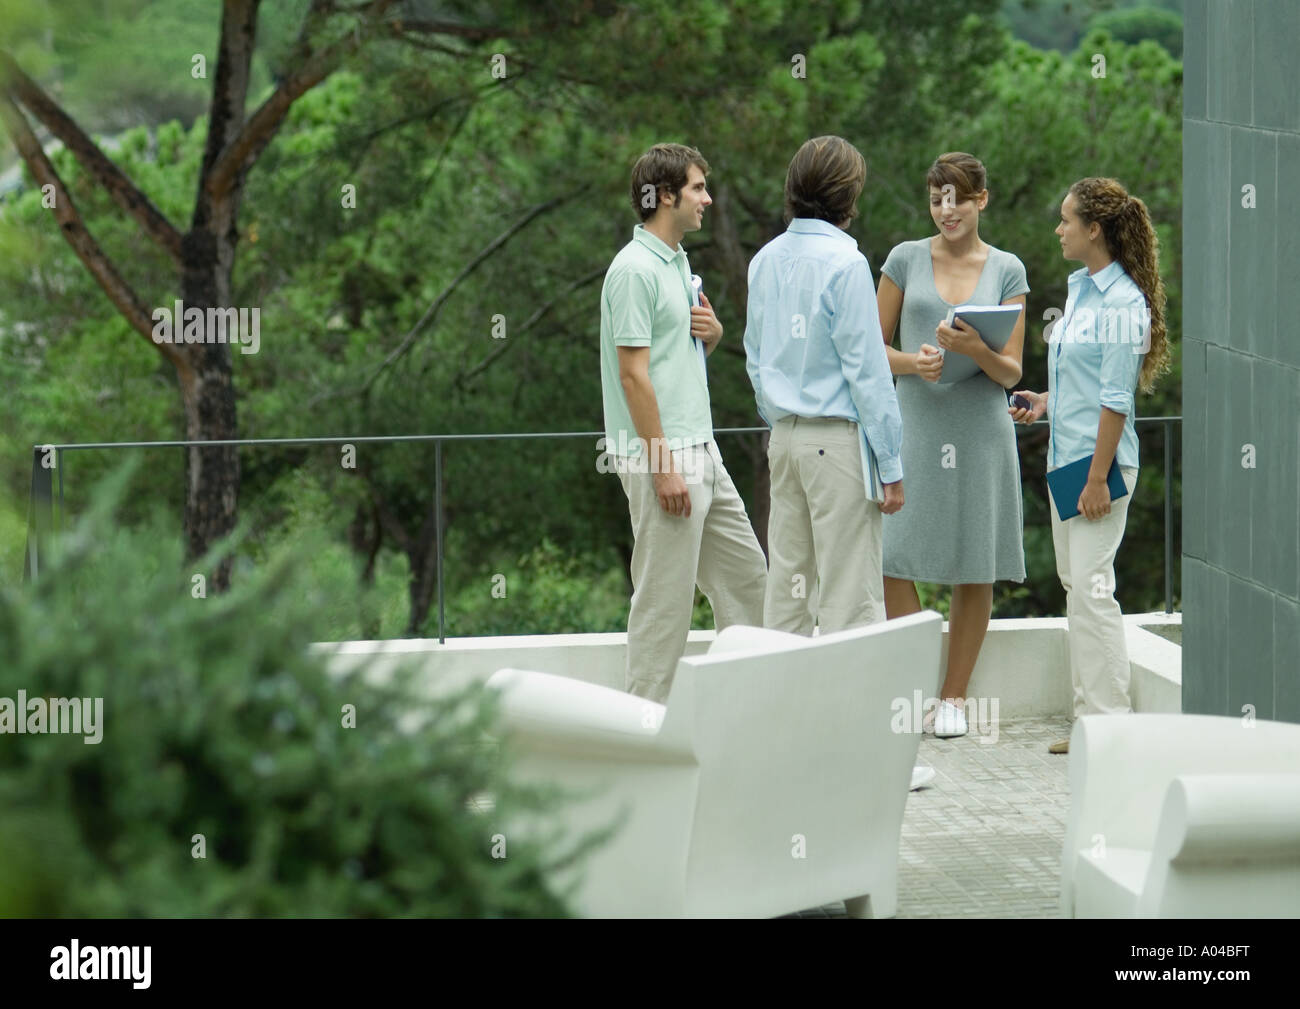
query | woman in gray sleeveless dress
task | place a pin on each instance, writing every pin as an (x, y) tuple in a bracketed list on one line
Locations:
[(961, 524)]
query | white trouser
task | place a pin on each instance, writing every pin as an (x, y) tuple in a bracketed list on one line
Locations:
[(1085, 561), (714, 548), (821, 530)]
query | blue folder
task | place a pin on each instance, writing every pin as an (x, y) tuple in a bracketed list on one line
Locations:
[(1067, 483)]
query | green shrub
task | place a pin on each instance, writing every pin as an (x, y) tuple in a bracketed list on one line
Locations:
[(217, 721), (544, 591)]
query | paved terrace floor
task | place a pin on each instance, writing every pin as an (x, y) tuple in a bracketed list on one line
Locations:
[(983, 839)]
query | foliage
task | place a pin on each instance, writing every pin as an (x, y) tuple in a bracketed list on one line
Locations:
[(218, 721), (548, 590), (1139, 23), (1061, 24), (145, 48), (444, 158), (1044, 104)]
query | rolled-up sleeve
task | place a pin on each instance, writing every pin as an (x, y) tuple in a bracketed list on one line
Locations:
[(855, 334), (1121, 358)]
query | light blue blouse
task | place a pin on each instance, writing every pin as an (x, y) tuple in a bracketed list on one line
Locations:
[(1095, 355)]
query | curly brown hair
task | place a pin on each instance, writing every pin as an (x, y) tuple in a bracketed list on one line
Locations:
[(1131, 239)]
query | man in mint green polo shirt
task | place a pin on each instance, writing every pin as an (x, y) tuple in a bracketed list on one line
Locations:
[(689, 524)]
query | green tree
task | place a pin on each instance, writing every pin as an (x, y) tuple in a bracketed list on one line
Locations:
[(202, 258), (481, 198), (228, 772), (1138, 23), (1050, 121)]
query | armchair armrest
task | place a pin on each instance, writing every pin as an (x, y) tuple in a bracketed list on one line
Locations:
[(1228, 846), (741, 638), (1223, 817), (557, 712)]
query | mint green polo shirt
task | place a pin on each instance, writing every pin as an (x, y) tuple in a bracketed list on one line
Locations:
[(646, 302)]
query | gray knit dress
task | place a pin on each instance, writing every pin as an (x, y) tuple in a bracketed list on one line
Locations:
[(961, 518)]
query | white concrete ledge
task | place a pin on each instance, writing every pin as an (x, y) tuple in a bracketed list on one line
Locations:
[(1157, 665), (593, 658), (1024, 663)]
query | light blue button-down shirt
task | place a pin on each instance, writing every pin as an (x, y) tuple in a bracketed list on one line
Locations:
[(812, 337), (1096, 352)]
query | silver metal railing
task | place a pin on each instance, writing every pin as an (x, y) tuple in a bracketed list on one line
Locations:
[(43, 517)]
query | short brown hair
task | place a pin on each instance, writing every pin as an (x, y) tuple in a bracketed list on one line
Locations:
[(964, 172), (662, 171), (824, 180)]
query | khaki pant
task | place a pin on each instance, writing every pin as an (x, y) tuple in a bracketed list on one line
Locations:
[(1085, 561), (822, 531), (714, 548)]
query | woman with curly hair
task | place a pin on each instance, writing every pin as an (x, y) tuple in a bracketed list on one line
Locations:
[(1110, 341)]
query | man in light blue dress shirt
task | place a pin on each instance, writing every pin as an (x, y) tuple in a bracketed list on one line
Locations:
[(822, 380)]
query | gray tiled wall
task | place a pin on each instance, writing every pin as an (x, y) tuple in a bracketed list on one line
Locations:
[(1241, 358)]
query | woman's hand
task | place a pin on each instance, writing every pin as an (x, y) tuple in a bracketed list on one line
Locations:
[(964, 339), (929, 363), (1094, 502), (1035, 412)]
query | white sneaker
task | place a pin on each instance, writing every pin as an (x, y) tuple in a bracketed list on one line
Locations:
[(949, 721), (921, 776)]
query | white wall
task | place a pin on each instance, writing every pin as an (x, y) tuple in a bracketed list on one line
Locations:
[(1023, 664)]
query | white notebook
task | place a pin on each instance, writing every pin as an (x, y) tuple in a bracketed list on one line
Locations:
[(697, 285), (870, 469)]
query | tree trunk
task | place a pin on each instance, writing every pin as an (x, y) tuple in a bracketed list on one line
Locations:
[(423, 561), (208, 394), (420, 592), (422, 556), (211, 474), (207, 263)]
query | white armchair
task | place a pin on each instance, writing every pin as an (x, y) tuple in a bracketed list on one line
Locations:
[(1178, 816), (772, 780)]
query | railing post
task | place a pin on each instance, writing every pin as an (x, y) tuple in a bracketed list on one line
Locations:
[(437, 520), (40, 518), (58, 465), (1169, 516)]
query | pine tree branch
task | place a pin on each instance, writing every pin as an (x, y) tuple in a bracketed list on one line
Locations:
[(21, 88), (528, 324), (119, 292), (248, 143), (482, 256)]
